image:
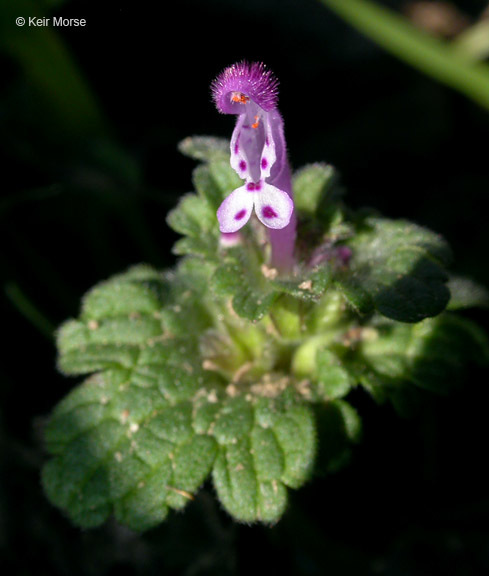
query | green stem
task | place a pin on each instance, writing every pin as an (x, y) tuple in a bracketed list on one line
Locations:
[(285, 315), (29, 310), (304, 358), (432, 56), (474, 41)]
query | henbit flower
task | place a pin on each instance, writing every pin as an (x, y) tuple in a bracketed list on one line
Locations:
[(231, 239), (258, 153)]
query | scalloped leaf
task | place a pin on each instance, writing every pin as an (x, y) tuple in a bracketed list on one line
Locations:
[(275, 450), (149, 424), (136, 447), (401, 266), (429, 355), (125, 449)]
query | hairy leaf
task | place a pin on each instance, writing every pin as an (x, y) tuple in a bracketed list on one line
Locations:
[(401, 266), (149, 424), (429, 355), (205, 148), (313, 185)]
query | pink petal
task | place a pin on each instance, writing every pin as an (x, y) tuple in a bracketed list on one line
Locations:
[(273, 206), (268, 155), (254, 80), (235, 210), (239, 162)]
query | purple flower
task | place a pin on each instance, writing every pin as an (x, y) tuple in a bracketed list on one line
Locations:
[(258, 153)]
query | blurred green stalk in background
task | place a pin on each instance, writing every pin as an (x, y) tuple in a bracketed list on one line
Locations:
[(29, 310), (451, 63), (46, 62), (474, 42)]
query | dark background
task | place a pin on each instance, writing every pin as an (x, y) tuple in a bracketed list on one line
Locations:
[(85, 196)]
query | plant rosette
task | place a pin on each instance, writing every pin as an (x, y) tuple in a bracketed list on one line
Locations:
[(238, 364)]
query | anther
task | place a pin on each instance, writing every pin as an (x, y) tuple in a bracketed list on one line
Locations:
[(239, 97)]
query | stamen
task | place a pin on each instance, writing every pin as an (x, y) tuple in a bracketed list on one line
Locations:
[(256, 123), (239, 97), (251, 79)]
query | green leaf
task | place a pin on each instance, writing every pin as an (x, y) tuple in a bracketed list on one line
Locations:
[(296, 434), (465, 293), (120, 448), (149, 424), (334, 381), (358, 299), (276, 449), (339, 426), (190, 313), (313, 185), (240, 276), (307, 285), (207, 188), (205, 148), (194, 218), (401, 266), (320, 211), (224, 177), (430, 355), (214, 181), (123, 442), (140, 291), (118, 317), (255, 287)]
